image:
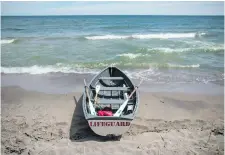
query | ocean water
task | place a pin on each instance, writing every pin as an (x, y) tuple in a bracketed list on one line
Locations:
[(159, 49)]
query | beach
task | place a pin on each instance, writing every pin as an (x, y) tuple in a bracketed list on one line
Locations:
[(43, 121), (45, 59)]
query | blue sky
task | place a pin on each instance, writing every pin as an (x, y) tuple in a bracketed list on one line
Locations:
[(112, 8)]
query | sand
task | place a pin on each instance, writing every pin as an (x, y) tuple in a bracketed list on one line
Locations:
[(166, 123)]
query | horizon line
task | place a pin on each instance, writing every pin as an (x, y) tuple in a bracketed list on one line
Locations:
[(113, 15)]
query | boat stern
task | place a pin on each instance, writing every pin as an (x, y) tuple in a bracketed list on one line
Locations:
[(109, 127)]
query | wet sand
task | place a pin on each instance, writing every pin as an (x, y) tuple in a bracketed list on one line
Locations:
[(167, 123)]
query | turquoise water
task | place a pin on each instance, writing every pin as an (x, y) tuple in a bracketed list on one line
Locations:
[(156, 48)]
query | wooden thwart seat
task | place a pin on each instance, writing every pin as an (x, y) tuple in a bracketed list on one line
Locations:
[(111, 78), (113, 102), (114, 88), (110, 101)]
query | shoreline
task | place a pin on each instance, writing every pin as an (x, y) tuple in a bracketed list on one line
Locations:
[(62, 83), (39, 123)]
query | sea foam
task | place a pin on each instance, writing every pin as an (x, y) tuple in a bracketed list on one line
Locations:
[(130, 55), (5, 41), (146, 36), (67, 69), (184, 66), (196, 49), (45, 69)]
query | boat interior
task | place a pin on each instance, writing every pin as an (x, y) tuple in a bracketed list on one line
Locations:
[(114, 85)]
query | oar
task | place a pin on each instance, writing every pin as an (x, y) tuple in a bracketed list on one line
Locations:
[(120, 110), (97, 89), (92, 109)]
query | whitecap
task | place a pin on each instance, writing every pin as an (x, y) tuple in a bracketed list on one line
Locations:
[(143, 36), (7, 41), (130, 55)]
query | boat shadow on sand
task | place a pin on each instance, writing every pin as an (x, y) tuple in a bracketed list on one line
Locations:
[(79, 128)]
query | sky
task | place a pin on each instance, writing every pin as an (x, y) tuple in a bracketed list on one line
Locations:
[(111, 8)]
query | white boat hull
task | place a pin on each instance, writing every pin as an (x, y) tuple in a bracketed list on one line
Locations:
[(109, 127)]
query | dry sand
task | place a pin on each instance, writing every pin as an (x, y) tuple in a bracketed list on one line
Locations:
[(167, 123)]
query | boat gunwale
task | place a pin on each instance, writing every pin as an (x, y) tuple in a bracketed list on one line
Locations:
[(109, 118), (91, 117)]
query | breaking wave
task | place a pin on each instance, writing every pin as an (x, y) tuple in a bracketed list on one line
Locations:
[(130, 55), (44, 70), (197, 49), (106, 37), (79, 69), (5, 41), (183, 66), (147, 36)]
